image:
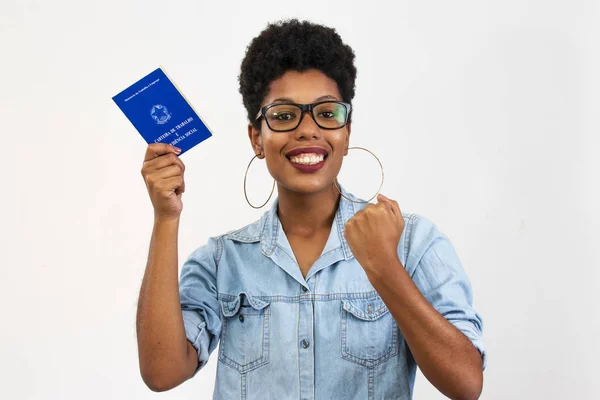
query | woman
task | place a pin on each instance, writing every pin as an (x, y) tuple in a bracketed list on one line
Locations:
[(322, 298)]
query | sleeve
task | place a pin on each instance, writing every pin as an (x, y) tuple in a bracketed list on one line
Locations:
[(442, 280), (199, 303)]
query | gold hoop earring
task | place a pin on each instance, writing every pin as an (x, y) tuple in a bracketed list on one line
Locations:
[(246, 194), (335, 182)]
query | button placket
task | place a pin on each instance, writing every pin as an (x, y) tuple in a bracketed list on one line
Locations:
[(306, 356)]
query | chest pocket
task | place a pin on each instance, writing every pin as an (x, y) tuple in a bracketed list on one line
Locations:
[(245, 334), (369, 334)]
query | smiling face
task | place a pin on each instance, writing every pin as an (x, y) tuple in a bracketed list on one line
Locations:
[(308, 158)]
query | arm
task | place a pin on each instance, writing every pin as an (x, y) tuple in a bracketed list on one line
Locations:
[(444, 354), (433, 307), (166, 357)]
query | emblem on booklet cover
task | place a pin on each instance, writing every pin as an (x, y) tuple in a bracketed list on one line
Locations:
[(160, 114)]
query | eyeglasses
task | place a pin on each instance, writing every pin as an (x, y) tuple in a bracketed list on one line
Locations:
[(284, 117)]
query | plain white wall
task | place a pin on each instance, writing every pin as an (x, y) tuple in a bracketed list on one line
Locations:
[(495, 140)]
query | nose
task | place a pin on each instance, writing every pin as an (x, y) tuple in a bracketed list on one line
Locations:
[(308, 128)]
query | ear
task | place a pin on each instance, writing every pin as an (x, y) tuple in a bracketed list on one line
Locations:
[(348, 129), (256, 141)]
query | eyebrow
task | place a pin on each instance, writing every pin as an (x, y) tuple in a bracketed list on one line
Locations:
[(288, 100)]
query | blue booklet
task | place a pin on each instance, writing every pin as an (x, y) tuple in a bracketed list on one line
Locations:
[(160, 112)]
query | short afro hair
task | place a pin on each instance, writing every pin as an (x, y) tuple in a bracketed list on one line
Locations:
[(297, 46)]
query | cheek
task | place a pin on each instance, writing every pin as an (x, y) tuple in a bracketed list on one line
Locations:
[(272, 147), (335, 162), (339, 142), (272, 144)]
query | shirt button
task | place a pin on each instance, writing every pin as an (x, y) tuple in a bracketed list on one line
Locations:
[(305, 343), (304, 289), (241, 318)]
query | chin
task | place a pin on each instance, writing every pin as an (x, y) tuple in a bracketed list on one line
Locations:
[(307, 185)]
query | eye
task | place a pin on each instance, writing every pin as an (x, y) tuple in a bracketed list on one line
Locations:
[(326, 114), (283, 113), (284, 116)]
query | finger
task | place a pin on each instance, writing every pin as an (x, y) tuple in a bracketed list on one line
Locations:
[(163, 161), (397, 210), (180, 189), (381, 197), (158, 149), (392, 204), (170, 184), (167, 172), (369, 206)]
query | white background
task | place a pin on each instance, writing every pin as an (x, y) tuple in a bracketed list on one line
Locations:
[(484, 114)]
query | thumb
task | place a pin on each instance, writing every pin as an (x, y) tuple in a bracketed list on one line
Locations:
[(393, 204), (382, 198)]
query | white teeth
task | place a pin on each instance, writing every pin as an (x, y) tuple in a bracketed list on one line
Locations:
[(307, 159)]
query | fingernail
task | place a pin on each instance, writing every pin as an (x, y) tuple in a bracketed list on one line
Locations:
[(177, 150)]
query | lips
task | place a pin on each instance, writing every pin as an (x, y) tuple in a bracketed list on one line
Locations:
[(307, 150), (307, 159)]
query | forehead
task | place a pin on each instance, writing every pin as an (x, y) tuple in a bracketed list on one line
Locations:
[(302, 87)]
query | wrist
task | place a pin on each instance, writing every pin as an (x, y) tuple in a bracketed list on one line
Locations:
[(379, 268), (166, 219)]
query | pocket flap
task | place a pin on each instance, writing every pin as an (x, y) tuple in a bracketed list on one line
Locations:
[(365, 309), (231, 307)]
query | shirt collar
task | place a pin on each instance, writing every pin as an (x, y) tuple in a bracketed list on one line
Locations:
[(272, 233)]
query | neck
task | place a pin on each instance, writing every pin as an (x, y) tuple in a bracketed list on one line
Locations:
[(304, 214)]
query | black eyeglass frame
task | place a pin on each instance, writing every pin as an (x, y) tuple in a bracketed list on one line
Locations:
[(304, 107)]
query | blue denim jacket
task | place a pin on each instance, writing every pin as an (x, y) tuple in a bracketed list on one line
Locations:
[(326, 337)]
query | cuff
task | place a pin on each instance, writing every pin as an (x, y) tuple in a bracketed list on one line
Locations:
[(475, 337), (195, 332)]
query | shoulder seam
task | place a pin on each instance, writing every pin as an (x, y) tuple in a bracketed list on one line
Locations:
[(218, 250), (408, 228), (411, 220)]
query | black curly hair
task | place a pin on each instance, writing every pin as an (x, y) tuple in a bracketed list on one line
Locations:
[(298, 46)]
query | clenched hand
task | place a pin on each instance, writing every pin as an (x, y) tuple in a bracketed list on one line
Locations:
[(373, 233), (163, 173)]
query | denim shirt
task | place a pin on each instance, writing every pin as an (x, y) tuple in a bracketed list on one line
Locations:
[(328, 336)]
